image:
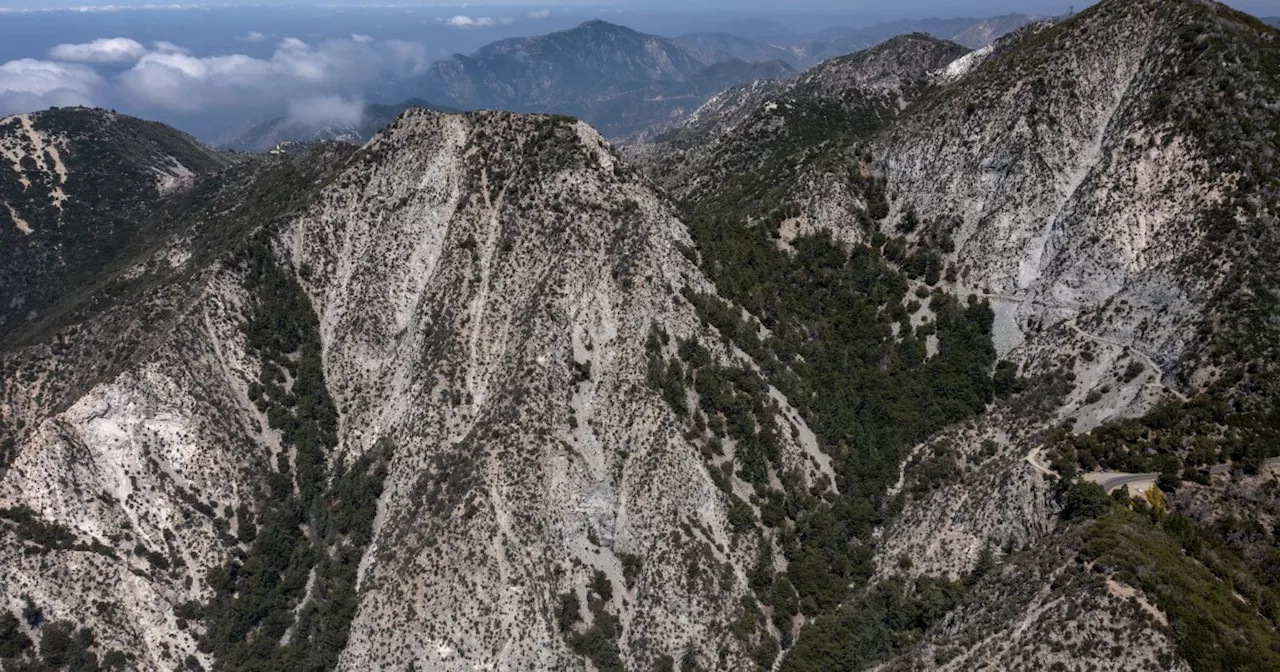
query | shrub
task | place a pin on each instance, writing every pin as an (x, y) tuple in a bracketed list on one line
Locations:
[(1085, 500)]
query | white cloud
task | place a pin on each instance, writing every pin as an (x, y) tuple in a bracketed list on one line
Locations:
[(106, 50), (27, 85), (320, 111), (319, 82), (253, 36), (179, 82), (169, 48), (469, 22), (540, 14)]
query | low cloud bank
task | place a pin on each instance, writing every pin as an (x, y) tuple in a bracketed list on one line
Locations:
[(165, 77), (28, 84), (107, 50), (315, 112)]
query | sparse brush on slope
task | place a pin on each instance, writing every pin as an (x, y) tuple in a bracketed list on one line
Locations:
[(476, 395)]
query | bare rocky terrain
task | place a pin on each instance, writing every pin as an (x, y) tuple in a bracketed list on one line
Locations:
[(818, 378)]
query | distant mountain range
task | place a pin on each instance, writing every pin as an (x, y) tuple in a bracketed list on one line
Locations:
[(1272, 20), (621, 81), (616, 78)]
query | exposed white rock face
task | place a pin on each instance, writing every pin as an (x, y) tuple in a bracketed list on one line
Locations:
[(1071, 207), (1078, 221), (485, 286), (463, 272), (1086, 224), (135, 469), (965, 64), (990, 496), (1084, 216), (988, 48)]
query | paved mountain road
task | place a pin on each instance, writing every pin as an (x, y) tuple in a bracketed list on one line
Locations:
[(1114, 480)]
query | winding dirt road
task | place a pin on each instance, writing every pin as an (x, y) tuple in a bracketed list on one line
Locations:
[(1159, 379)]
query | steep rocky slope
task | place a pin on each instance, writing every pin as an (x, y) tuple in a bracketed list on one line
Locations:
[(129, 440), (1109, 216), (499, 342), (491, 295), (1091, 181), (70, 185), (1085, 179)]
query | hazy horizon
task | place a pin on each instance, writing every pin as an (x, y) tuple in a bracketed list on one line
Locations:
[(868, 8), (215, 69)]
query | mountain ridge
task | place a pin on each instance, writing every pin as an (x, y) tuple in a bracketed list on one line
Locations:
[(736, 133), (840, 389), (64, 218), (244, 306), (1105, 372)]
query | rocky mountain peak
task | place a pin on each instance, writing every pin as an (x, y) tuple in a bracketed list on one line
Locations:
[(71, 180), (476, 311), (891, 66), (760, 132)]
